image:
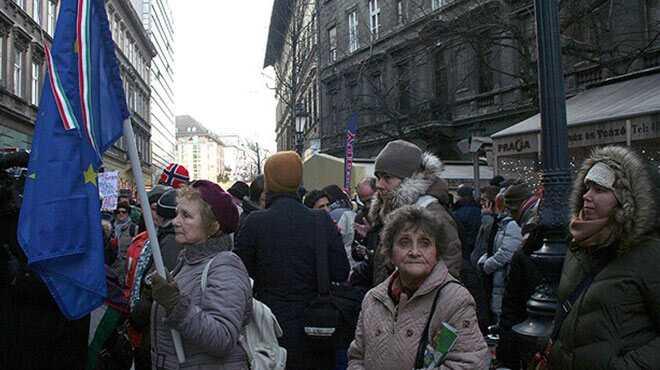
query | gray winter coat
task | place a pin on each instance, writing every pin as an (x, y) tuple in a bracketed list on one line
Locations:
[(210, 323), (508, 241)]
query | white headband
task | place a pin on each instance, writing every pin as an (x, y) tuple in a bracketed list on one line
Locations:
[(601, 174)]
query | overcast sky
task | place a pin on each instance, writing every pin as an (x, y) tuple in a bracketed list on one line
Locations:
[(220, 49)]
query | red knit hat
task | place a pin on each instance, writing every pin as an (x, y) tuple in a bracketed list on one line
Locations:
[(221, 204), (174, 175)]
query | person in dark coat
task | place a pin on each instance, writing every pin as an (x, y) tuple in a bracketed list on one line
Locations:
[(277, 246), (467, 213), (524, 277), (614, 323), (252, 202)]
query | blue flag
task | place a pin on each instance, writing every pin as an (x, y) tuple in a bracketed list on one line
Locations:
[(80, 115)]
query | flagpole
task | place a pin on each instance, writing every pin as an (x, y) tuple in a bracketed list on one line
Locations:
[(149, 222)]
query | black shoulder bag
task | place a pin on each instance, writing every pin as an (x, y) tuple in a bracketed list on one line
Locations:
[(331, 318), (424, 340)]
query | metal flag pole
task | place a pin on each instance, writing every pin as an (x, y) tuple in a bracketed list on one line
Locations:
[(149, 222)]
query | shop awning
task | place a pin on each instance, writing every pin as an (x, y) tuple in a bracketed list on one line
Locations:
[(617, 101)]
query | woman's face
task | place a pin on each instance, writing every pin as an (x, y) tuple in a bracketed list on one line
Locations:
[(189, 227), (598, 202), (414, 254)]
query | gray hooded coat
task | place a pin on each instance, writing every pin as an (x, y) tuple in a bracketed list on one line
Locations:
[(210, 322)]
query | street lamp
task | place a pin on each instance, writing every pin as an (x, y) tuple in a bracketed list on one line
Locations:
[(301, 122), (556, 178)]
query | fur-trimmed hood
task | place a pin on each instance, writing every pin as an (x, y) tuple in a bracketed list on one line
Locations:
[(424, 181), (639, 212)]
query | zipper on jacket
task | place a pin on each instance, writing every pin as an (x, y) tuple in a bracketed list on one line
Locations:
[(396, 316)]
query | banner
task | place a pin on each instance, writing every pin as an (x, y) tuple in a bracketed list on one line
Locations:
[(109, 189), (351, 134)]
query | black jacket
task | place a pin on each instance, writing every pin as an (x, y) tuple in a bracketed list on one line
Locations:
[(522, 280), (468, 214), (277, 247)]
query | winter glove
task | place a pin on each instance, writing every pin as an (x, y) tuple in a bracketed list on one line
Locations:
[(166, 293)]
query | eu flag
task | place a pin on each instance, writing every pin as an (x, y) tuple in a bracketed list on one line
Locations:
[(81, 114)]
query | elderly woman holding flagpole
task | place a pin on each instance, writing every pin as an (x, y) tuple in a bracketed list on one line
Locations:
[(208, 298)]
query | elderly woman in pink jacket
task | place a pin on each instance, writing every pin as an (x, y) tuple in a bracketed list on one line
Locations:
[(419, 302)]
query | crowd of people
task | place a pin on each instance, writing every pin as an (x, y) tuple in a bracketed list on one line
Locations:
[(436, 272)]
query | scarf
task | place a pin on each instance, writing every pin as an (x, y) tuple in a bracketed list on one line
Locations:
[(142, 264), (589, 234)]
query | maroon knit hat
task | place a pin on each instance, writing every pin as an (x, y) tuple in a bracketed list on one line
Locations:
[(221, 204)]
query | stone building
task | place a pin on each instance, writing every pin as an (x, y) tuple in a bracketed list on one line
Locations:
[(135, 52), (292, 51), (25, 27), (158, 21), (199, 150), (438, 71)]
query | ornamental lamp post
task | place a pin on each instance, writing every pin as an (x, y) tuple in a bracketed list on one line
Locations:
[(301, 123), (549, 258)]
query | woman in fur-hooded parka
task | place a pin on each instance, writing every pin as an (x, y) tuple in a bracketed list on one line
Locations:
[(427, 189), (615, 321)]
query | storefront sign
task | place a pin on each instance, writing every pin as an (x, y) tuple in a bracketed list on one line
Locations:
[(602, 133)]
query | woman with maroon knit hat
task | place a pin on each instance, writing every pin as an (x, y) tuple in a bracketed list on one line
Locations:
[(210, 317)]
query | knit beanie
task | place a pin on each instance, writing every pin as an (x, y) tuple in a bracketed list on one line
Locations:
[(166, 206), (399, 158), (174, 175), (283, 172), (515, 195), (239, 190), (221, 204), (155, 193)]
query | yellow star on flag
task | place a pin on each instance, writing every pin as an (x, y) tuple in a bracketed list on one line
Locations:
[(90, 175)]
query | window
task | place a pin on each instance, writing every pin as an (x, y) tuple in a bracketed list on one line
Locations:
[(374, 18), (2, 61), (486, 78), (51, 14), (20, 3), (440, 77), (18, 72), (353, 43), (436, 4), (404, 87), (400, 19), (36, 69), (36, 11), (332, 37)]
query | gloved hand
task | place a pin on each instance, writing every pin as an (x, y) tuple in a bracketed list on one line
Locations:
[(166, 293)]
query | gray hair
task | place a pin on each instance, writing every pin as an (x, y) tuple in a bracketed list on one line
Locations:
[(407, 218)]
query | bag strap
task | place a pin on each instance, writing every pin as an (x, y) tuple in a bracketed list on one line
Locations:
[(322, 274), (567, 305), (205, 273), (424, 340)]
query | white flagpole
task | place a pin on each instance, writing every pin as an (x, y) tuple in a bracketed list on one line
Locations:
[(149, 222)]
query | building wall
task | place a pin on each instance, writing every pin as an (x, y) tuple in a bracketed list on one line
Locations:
[(158, 20), (134, 53), (24, 30), (199, 150), (431, 85), (304, 79), (22, 66)]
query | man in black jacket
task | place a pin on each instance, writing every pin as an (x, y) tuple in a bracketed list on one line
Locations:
[(277, 246)]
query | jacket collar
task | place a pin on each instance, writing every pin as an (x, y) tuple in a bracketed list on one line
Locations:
[(272, 198), (193, 254), (425, 181), (438, 276)]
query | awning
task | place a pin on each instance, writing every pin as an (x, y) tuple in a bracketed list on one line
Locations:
[(595, 116)]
